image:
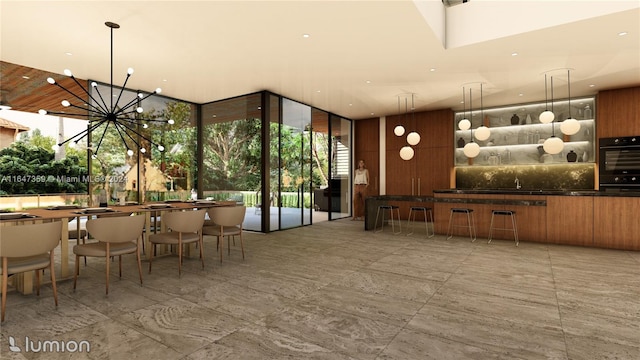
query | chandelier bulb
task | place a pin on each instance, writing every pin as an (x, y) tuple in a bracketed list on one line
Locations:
[(143, 150), (139, 109), (42, 112), (140, 95), (130, 71), (144, 126), (68, 72), (158, 91), (55, 147), (94, 84), (94, 156), (51, 81), (160, 148), (65, 103), (171, 122), (129, 152)]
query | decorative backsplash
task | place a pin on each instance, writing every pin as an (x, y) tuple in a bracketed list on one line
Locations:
[(530, 177)]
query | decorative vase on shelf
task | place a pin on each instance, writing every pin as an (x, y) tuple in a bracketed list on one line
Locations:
[(572, 156), (587, 112), (461, 143), (515, 119), (585, 157), (528, 119)]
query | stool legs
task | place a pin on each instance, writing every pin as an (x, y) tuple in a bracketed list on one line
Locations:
[(471, 224), (393, 227), (411, 221), (514, 225)]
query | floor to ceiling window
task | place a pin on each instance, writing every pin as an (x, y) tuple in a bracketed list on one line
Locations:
[(278, 157)]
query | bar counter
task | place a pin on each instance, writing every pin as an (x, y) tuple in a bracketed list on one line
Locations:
[(587, 218)]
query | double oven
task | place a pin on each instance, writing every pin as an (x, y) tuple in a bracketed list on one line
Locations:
[(619, 164)]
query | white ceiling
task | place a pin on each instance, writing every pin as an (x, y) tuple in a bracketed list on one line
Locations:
[(359, 57)]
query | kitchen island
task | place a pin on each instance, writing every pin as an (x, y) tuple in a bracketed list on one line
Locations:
[(585, 218)]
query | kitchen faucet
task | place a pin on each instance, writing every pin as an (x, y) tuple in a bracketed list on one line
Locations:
[(517, 181)]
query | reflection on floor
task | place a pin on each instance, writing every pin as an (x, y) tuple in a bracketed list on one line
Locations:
[(290, 218), (334, 291)]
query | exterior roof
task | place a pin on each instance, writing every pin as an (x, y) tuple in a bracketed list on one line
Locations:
[(4, 123)]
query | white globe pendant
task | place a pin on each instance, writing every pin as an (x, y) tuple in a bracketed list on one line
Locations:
[(464, 124), (399, 130), (553, 145), (570, 126), (413, 138), (546, 117), (482, 133), (406, 153), (471, 150)]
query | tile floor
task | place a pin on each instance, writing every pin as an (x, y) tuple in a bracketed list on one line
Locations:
[(334, 291)]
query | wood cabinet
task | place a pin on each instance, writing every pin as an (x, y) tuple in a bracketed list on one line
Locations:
[(570, 220), (368, 149), (618, 112), (615, 223)]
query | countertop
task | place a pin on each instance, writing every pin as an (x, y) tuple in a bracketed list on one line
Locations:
[(540, 192)]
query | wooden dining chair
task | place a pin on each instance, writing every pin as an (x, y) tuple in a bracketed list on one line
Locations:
[(183, 227), (228, 222), (26, 248), (116, 236)]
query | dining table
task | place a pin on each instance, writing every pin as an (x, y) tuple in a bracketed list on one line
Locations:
[(66, 213)]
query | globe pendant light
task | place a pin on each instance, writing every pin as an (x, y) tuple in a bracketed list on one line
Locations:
[(482, 132), (413, 138), (406, 153), (399, 129), (553, 145), (471, 149), (546, 116), (570, 126)]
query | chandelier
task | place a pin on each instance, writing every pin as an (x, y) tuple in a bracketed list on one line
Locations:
[(124, 119)]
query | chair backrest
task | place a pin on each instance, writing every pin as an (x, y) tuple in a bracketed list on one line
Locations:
[(117, 229), (228, 215), (29, 239), (189, 221)]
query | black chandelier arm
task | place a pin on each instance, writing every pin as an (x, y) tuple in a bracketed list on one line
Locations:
[(121, 90), (116, 125), (89, 110), (65, 113), (137, 133), (88, 94), (104, 103), (79, 136), (102, 137), (74, 95), (126, 106), (126, 133)]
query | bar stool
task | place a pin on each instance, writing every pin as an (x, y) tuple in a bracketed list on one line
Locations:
[(471, 224), (390, 208), (513, 227), (411, 221)]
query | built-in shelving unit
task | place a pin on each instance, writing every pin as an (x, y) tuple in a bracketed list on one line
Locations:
[(517, 136)]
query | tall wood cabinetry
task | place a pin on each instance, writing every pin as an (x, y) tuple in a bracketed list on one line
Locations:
[(430, 168), (367, 148)]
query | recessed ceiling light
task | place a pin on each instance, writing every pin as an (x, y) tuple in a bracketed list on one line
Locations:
[(350, 104), (214, 115), (25, 77), (520, 94), (432, 69), (368, 81), (164, 80), (592, 85), (317, 90), (372, 113), (306, 36), (622, 33), (514, 54), (68, 53)]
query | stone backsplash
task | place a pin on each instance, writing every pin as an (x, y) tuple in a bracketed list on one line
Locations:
[(531, 177)]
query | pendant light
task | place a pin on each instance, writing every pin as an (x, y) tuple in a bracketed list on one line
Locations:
[(546, 116), (399, 129), (482, 132), (553, 145), (570, 126), (471, 149), (413, 138), (464, 124)]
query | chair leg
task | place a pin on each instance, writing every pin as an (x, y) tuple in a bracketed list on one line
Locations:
[(37, 282), (75, 275), (201, 241), (139, 263), (179, 254), (120, 266), (242, 245), (5, 278), (153, 250), (221, 242), (107, 275), (53, 278)]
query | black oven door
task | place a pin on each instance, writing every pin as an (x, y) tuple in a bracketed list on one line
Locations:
[(619, 165)]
